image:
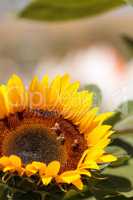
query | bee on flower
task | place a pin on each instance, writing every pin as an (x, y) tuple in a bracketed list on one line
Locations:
[(52, 131)]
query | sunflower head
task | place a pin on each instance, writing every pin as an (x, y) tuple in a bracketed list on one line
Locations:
[(51, 131)]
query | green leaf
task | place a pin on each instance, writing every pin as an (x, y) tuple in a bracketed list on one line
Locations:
[(125, 123), (121, 160), (113, 184), (50, 10), (128, 138), (130, 2), (3, 192), (125, 126), (113, 119), (120, 153), (79, 195), (72, 194), (122, 114), (110, 185), (26, 196), (121, 182), (126, 109), (126, 172), (97, 93), (128, 42), (119, 197), (122, 120)]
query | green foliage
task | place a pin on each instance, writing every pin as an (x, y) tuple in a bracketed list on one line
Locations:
[(110, 185), (125, 124), (77, 195), (130, 2), (59, 10), (126, 109), (123, 149), (124, 172), (97, 93), (120, 153), (119, 197), (21, 188), (114, 118), (128, 42), (123, 117)]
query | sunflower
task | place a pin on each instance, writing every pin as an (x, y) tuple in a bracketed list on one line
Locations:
[(51, 131)]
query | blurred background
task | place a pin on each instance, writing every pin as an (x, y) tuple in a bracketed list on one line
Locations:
[(96, 49), (92, 40)]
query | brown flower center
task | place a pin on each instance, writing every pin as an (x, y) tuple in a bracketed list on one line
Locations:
[(43, 136)]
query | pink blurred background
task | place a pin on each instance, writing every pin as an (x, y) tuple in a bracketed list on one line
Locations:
[(91, 50)]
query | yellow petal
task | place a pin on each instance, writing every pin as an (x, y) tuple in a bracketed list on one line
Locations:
[(36, 98), (54, 93), (72, 89), (41, 167), (82, 158), (104, 116), (77, 107), (9, 168), (21, 171), (86, 121), (4, 161), (44, 86), (85, 102), (107, 158), (30, 170), (53, 169), (46, 180), (65, 82), (89, 165), (70, 92), (15, 161), (84, 172), (69, 176), (16, 93), (4, 102), (103, 143), (97, 134), (78, 183), (93, 154), (44, 81)]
